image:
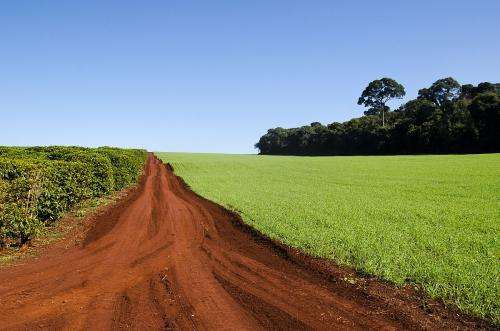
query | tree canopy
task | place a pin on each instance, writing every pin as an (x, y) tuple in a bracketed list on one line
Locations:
[(442, 90), (445, 118), (377, 93)]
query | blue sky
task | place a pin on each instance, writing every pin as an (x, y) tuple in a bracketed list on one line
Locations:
[(213, 76)]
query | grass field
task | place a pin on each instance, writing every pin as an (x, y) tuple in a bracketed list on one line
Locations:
[(429, 220)]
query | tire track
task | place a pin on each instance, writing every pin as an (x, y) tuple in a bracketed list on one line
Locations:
[(165, 258)]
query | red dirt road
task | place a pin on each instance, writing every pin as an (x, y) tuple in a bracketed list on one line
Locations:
[(164, 258)]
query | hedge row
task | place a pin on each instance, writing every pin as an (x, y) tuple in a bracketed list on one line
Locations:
[(39, 184)]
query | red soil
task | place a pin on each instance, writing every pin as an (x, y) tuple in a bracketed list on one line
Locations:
[(165, 258)]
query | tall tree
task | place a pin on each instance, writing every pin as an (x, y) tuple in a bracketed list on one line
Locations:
[(485, 111), (442, 90), (377, 93), (469, 91)]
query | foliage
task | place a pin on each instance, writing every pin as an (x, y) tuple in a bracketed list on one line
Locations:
[(428, 220), (125, 165), (443, 90), (445, 118), (39, 184), (376, 95)]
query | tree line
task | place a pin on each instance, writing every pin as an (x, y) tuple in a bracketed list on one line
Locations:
[(446, 117)]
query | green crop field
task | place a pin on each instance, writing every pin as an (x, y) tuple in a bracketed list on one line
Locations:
[(429, 220)]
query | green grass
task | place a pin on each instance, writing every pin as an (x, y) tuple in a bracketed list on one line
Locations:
[(428, 220)]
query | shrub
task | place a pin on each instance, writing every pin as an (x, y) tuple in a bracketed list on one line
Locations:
[(100, 166), (17, 224), (126, 165), (39, 184)]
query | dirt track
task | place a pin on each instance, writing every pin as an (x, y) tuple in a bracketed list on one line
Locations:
[(165, 258)]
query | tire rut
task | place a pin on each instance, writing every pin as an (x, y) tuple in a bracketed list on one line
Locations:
[(165, 258)]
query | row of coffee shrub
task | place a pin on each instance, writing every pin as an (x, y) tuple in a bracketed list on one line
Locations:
[(39, 184)]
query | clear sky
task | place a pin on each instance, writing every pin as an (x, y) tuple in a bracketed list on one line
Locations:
[(213, 76)]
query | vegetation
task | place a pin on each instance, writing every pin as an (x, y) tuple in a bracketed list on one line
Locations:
[(376, 95), (39, 184), (444, 118), (427, 220)]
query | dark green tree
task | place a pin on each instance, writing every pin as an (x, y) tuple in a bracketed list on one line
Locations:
[(470, 91), (442, 90), (376, 95), (439, 121), (485, 112)]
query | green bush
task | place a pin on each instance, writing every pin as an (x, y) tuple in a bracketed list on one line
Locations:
[(39, 184), (64, 185), (127, 164), (100, 166), (17, 224)]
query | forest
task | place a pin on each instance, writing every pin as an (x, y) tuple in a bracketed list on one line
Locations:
[(446, 117)]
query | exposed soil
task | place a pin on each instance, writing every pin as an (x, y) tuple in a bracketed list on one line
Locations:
[(165, 258)]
